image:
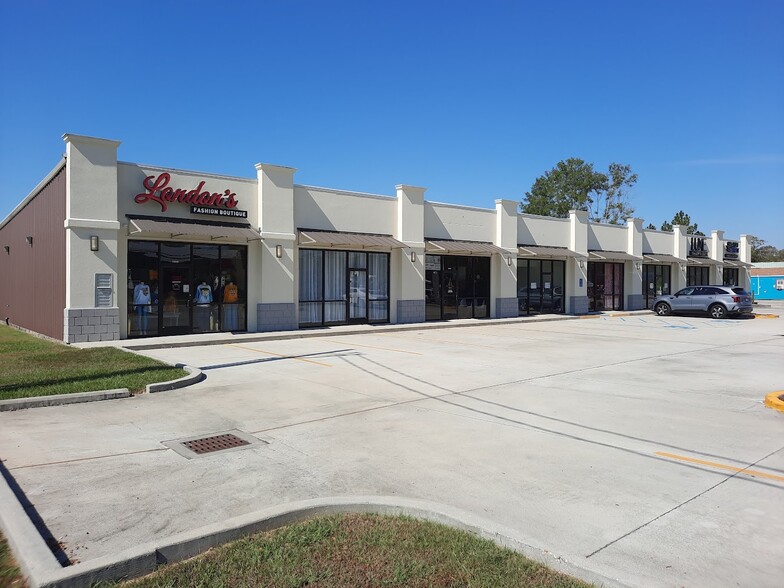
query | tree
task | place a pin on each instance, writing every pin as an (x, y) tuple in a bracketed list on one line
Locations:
[(651, 226), (575, 184), (681, 218), (761, 251)]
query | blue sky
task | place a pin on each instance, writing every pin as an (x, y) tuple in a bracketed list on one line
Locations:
[(472, 100)]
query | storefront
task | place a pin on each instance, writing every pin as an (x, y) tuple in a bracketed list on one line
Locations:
[(657, 276), (698, 273), (730, 276), (456, 287), (541, 279), (182, 288), (605, 286)]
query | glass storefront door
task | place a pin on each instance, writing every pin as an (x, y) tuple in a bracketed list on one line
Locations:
[(697, 275), (540, 286), (341, 287), (181, 288), (730, 276), (655, 282), (456, 287), (605, 286)]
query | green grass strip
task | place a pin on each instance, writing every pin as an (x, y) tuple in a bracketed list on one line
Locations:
[(359, 550), (31, 366)]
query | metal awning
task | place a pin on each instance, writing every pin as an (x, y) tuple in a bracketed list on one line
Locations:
[(538, 251), (192, 230), (349, 240), (662, 258), (463, 247), (736, 263), (611, 256), (702, 261)]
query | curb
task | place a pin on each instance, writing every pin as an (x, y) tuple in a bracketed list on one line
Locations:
[(60, 399), (194, 376), (143, 559), (775, 400)]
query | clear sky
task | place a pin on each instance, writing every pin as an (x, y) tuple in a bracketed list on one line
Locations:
[(472, 100)]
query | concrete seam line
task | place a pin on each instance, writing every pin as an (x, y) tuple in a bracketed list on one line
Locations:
[(34, 557), (61, 399), (195, 375), (143, 559)]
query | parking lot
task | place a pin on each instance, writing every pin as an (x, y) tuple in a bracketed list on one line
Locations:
[(635, 447)]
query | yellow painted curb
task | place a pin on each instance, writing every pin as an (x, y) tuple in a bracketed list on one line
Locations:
[(766, 316), (774, 400), (587, 316)]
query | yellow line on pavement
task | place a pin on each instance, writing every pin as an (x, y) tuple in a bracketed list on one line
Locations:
[(589, 316), (775, 400), (766, 316), (352, 344), (281, 355), (721, 466)]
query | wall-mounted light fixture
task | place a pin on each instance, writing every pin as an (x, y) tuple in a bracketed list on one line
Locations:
[(413, 257), (7, 249), (94, 243), (29, 240), (637, 265), (582, 264), (278, 251), (682, 266), (509, 261)]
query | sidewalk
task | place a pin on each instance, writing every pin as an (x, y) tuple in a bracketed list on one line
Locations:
[(228, 338)]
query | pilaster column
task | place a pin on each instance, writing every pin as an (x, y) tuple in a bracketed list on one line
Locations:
[(503, 302), (407, 272), (577, 268)]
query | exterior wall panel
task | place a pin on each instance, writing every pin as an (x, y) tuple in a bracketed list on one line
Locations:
[(32, 288)]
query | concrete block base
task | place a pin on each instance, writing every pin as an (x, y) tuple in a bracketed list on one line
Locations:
[(410, 311), (280, 316), (635, 302), (578, 304), (82, 325), (505, 307)]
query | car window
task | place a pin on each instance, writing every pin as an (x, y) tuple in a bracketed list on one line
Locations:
[(699, 292), (740, 291), (685, 292)]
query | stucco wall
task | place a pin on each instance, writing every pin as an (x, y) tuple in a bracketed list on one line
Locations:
[(333, 210), (539, 230), (657, 242), (607, 237), (460, 223)]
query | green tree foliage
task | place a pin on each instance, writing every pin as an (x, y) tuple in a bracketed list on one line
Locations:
[(683, 219), (652, 227), (575, 184), (761, 251)]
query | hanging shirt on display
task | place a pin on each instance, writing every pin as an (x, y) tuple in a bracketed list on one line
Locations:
[(141, 293), (230, 293), (203, 294)]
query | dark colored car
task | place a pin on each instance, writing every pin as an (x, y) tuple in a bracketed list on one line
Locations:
[(718, 301)]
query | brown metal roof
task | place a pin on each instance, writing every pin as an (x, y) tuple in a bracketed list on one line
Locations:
[(611, 256), (662, 258), (192, 230), (767, 271), (537, 251), (349, 240), (702, 261), (464, 247), (736, 263)]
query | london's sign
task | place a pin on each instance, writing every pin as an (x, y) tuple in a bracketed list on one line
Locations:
[(202, 201)]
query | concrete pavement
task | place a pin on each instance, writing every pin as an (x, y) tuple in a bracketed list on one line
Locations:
[(622, 444)]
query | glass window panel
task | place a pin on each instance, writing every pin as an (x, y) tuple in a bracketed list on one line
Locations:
[(335, 276), (522, 286), (206, 285), (378, 311), (378, 276), (559, 281), (432, 290), (143, 288), (335, 312), (357, 260), (482, 276), (310, 313), (310, 275), (481, 307)]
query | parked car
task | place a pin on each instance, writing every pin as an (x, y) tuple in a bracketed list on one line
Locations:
[(718, 301)]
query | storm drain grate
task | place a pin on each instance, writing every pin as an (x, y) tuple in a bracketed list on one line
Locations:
[(214, 443)]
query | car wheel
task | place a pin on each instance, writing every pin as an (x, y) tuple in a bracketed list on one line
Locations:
[(717, 311), (662, 309)]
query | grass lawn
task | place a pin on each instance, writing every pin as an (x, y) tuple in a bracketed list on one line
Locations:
[(30, 366), (359, 550), (9, 573)]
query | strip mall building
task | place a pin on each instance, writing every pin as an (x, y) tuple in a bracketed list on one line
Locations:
[(103, 250)]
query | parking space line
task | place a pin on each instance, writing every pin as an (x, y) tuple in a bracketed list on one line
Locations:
[(721, 466), (352, 344), (281, 355)]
